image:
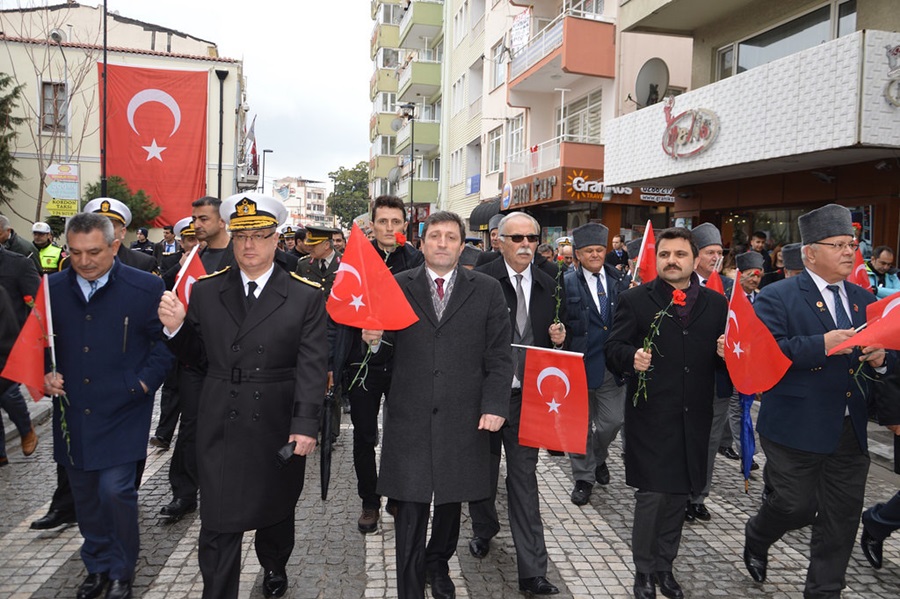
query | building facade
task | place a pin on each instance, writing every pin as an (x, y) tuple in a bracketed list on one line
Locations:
[(304, 200), (795, 104)]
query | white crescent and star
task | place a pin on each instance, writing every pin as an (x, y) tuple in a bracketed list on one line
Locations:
[(548, 372), (153, 95), (891, 305), (731, 316), (344, 267), (188, 285), (857, 275)]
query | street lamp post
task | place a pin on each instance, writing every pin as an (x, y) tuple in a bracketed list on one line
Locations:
[(56, 37), (263, 175), (408, 111)]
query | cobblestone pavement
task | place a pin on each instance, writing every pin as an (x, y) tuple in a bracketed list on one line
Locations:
[(589, 546)]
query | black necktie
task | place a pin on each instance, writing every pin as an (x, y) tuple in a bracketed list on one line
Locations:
[(251, 294), (841, 319), (604, 299)]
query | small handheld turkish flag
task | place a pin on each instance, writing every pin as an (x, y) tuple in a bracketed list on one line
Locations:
[(190, 272), (860, 275), (365, 294), (882, 326), (646, 262), (554, 401), (754, 360), (714, 282), (25, 363)]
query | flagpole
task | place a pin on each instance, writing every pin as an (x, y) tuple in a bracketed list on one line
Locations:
[(184, 266), (51, 340), (547, 349), (637, 264)]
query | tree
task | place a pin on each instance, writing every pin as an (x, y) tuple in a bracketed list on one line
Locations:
[(350, 197), (143, 211), (9, 100)]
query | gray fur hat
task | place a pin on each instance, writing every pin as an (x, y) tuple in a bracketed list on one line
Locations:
[(749, 261), (494, 223), (590, 234), (469, 256), (790, 255), (706, 234), (822, 223), (633, 247)]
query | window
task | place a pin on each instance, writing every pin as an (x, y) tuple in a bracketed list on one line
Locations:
[(461, 23), (725, 66), (385, 102), (456, 170), (390, 14), (499, 65), (387, 58), (516, 139), (458, 94), (494, 155), (53, 107), (581, 120)]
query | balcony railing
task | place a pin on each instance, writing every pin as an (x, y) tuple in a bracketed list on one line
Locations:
[(407, 15), (407, 69), (404, 132), (545, 156)]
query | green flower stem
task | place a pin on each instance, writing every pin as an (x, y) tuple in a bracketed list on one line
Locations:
[(648, 345)]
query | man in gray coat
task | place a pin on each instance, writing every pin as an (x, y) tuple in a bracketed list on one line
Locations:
[(450, 390)]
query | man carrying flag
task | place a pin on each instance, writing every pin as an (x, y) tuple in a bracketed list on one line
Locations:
[(529, 294), (812, 424), (667, 427)]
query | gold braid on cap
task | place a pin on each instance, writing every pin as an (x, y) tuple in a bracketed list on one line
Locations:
[(246, 217)]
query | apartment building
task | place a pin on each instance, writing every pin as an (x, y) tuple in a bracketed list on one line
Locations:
[(385, 55), (304, 200), (794, 104)]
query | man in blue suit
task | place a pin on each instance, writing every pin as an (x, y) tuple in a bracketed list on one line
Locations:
[(592, 291), (812, 424), (110, 361)]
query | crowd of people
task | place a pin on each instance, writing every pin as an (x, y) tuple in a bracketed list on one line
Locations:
[(245, 361)]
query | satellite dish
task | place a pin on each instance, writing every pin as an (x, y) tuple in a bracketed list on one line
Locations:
[(394, 174), (396, 124), (651, 83)]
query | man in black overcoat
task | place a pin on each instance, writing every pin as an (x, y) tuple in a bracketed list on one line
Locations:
[(667, 427)]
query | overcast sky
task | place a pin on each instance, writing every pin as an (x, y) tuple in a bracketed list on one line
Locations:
[(307, 67)]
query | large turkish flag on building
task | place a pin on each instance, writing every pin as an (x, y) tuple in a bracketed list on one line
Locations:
[(156, 137)]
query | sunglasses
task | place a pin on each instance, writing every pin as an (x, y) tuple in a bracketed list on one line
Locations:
[(520, 238)]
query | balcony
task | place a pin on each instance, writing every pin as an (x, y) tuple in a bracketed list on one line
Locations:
[(377, 3), (569, 48), (380, 124), (568, 152), (421, 23), (675, 17), (380, 166), (428, 135), (420, 78), (829, 105), (383, 80), (425, 191), (384, 36)]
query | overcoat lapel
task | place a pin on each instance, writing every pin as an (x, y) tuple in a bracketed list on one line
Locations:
[(272, 296), (814, 299), (232, 296), (420, 293), (462, 289)]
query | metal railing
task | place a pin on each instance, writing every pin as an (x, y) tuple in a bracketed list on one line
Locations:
[(407, 15), (545, 156)]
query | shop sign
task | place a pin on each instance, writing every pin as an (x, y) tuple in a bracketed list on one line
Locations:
[(892, 88), (658, 195), (584, 184), (538, 189), (689, 133), (506, 198)]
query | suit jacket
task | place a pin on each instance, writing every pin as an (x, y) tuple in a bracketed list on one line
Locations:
[(805, 410), (9, 330), (159, 251), (447, 374), (23, 247), (20, 278), (308, 269), (668, 433), (587, 332), (104, 348), (264, 380)]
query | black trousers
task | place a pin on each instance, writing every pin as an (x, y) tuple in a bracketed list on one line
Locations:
[(183, 468), (656, 532), (365, 403), (823, 489), (883, 518), (414, 558), (220, 556), (62, 496), (169, 407)]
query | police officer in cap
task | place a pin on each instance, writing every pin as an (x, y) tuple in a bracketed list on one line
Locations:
[(321, 264), (50, 253)]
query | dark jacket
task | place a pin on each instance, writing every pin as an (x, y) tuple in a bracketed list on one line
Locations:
[(20, 278), (310, 269), (668, 433), (9, 331), (25, 248)]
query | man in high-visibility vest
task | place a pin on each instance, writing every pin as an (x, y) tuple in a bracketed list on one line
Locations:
[(50, 254)]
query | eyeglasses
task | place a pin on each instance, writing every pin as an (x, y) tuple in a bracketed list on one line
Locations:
[(519, 238), (840, 245), (254, 237)]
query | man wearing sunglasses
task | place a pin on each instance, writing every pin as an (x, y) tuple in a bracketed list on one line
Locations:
[(592, 291), (260, 333)]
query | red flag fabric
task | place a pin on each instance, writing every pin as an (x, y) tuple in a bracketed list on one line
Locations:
[(754, 360), (191, 270), (860, 275), (882, 326), (646, 262), (365, 294), (554, 401), (156, 137), (714, 282), (26, 359)]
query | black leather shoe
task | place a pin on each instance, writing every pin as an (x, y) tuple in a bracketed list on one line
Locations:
[(601, 473), (871, 549), (754, 465), (92, 586), (644, 587), (582, 493), (479, 547), (689, 512), (159, 442), (119, 589), (274, 583), (700, 512), (53, 519), (539, 585), (668, 586), (178, 508), (729, 453), (441, 585), (756, 564)]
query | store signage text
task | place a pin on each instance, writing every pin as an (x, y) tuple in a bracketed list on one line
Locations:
[(535, 191), (689, 133), (892, 88), (658, 195)]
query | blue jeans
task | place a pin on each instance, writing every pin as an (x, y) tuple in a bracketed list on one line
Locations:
[(14, 403)]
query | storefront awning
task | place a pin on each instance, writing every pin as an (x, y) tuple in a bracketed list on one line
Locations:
[(481, 215)]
